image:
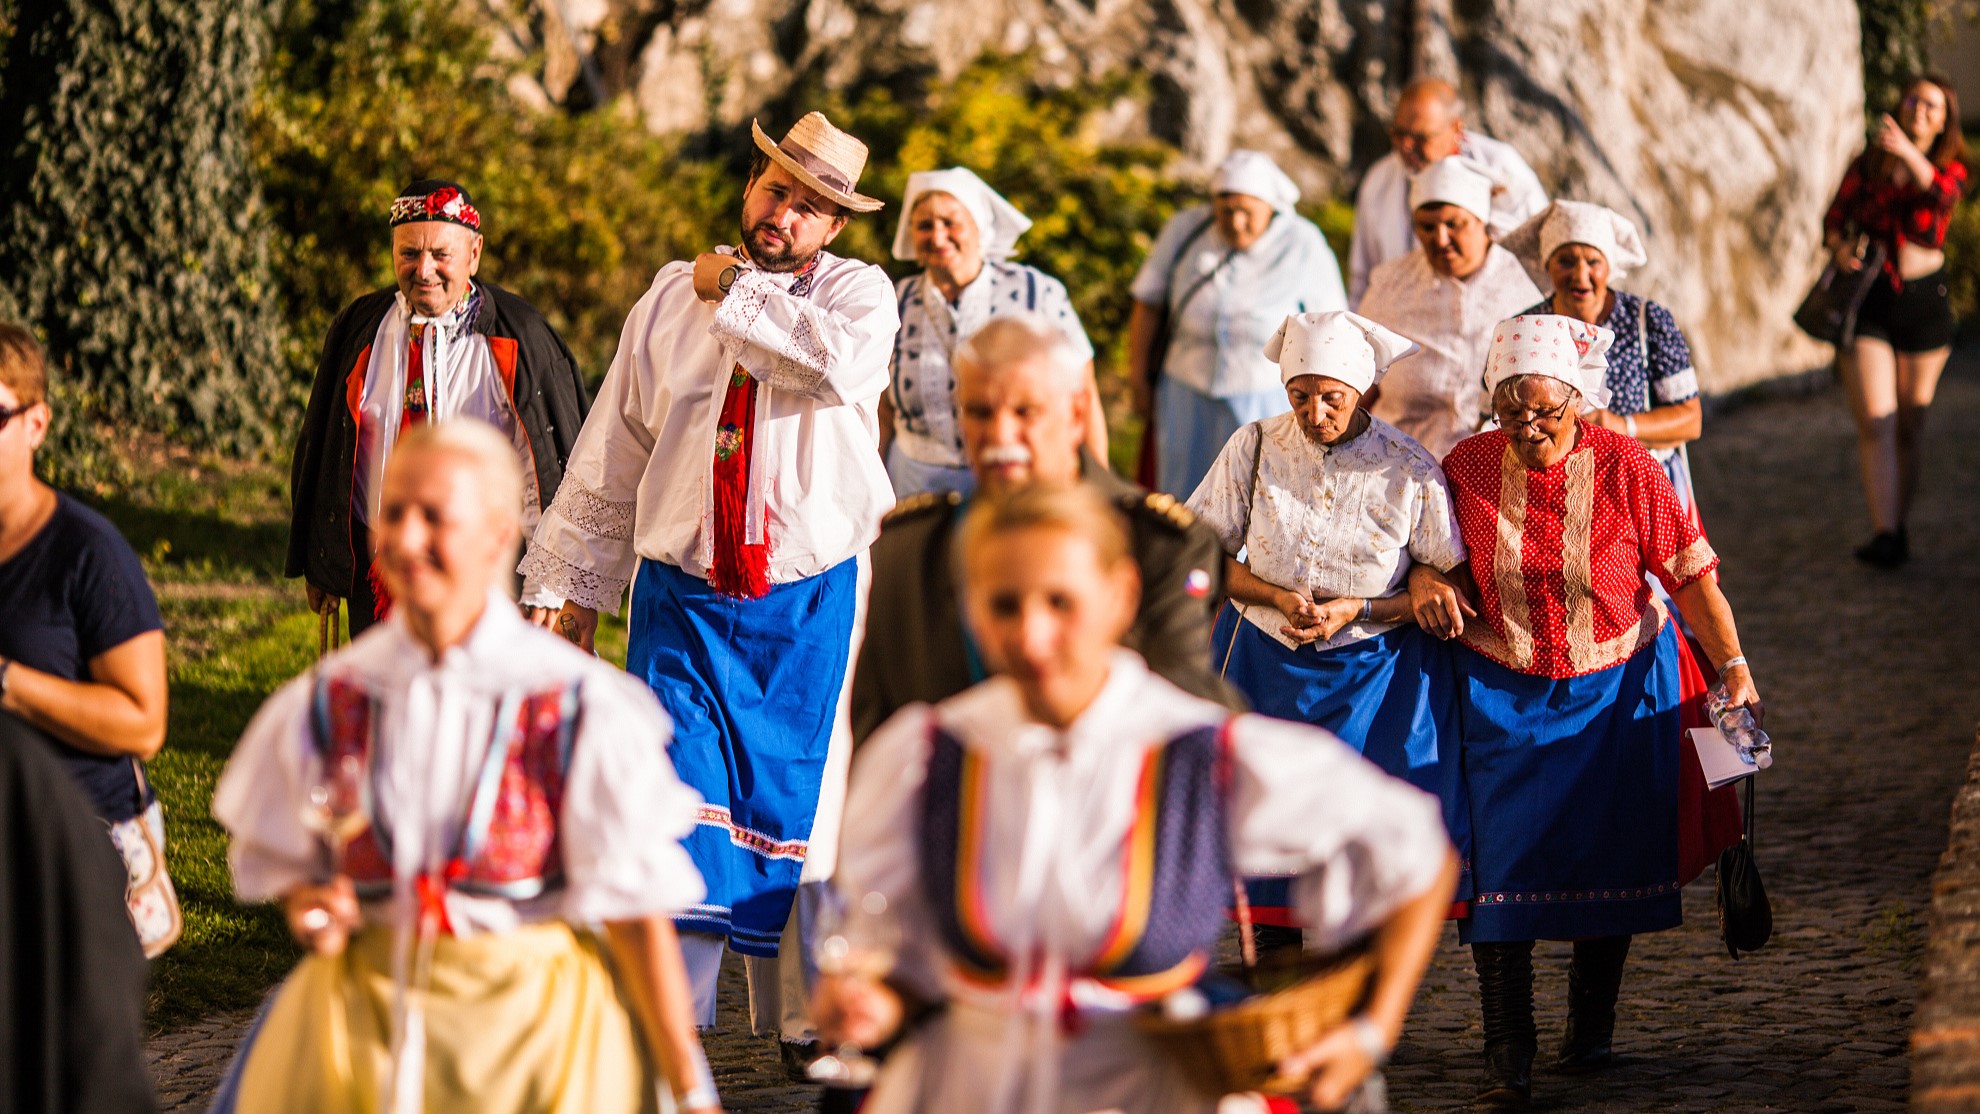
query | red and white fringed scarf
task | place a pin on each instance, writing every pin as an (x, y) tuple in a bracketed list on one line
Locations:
[(740, 568)]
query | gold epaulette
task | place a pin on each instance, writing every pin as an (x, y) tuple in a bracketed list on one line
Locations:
[(914, 506), (1167, 507)]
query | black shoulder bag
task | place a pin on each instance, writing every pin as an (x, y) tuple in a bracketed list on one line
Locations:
[(1746, 918)]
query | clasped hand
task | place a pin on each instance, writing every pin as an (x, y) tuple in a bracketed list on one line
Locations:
[(1312, 620)]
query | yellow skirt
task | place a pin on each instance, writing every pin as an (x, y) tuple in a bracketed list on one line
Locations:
[(525, 1022)]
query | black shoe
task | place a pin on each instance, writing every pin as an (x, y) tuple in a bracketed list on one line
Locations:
[(797, 1057), (1508, 1077), (1887, 550), (1594, 980)]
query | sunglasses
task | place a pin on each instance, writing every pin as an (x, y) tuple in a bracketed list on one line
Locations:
[(7, 415)]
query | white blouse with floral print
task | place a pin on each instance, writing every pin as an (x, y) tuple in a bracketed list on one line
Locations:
[(1346, 520)]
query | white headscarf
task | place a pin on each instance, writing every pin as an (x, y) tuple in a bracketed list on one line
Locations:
[(1337, 344), (1564, 348), (1254, 174), (998, 223), (1576, 222), (1456, 180)]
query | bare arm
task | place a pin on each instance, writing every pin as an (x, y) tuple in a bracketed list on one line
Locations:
[(648, 956), (119, 710), (1144, 322), (1664, 427), (1704, 607), (886, 424), (1338, 1063)]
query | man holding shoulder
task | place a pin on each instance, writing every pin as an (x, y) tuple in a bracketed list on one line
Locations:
[(731, 475)]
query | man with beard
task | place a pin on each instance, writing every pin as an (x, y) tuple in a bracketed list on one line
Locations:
[(730, 473)]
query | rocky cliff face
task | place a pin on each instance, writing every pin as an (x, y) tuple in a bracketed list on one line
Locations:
[(1720, 126)]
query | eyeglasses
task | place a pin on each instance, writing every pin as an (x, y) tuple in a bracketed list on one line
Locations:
[(1513, 423), (7, 415), (1418, 139)]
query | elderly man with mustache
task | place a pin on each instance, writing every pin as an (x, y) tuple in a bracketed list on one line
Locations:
[(1022, 398)]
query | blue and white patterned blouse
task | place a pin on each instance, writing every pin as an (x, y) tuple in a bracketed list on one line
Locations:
[(1638, 381), (924, 382)]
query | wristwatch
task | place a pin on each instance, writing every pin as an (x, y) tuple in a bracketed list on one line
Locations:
[(727, 278), (5, 665)]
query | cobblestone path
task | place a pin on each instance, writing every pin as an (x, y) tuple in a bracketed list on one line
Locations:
[(1872, 690)]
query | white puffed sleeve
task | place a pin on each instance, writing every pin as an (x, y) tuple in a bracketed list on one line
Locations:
[(879, 848), (1360, 842), (838, 356), (1223, 500), (581, 548), (625, 810), (261, 794), (1434, 539)]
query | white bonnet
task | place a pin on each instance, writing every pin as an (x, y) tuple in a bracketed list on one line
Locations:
[(998, 222), (1255, 174), (1576, 222), (1338, 344), (1564, 348), (1456, 180)]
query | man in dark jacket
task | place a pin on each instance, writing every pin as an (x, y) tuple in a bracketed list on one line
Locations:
[(441, 345), (1023, 410)]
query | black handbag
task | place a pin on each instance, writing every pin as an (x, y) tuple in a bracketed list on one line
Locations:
[(1829, 311), (1746, 918)]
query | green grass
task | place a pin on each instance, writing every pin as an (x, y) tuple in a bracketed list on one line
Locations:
[(212, 535)]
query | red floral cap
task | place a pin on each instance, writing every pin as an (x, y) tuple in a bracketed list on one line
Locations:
[(434, 199)]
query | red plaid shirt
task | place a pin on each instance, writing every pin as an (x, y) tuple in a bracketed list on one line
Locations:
[(1889, 210)]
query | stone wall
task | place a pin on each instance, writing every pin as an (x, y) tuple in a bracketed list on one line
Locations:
[(1721, 126)]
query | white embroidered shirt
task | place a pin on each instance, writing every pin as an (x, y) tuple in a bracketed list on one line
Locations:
[(1345, 520), (624, 811), (640, 479)]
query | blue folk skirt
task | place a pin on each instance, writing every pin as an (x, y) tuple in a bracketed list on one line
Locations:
[(1391, 697), (752, 687), (1573, 788)]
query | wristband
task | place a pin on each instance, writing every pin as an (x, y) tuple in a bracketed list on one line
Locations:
[(5, 665), (1368, 1037), (700, 1097), (1629, 424), (1367, 610), (1732, 661)]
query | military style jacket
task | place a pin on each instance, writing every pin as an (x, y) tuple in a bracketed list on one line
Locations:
[(914, 648)]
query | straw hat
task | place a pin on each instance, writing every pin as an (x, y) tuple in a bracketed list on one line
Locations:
[(822, 157)]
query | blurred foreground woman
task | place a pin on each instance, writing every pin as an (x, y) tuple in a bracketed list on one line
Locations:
[(1056, 847), (444, 809)]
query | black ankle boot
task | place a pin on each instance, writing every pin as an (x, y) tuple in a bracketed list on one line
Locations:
[(1594, 980), (1505, 991), (1887, 550)]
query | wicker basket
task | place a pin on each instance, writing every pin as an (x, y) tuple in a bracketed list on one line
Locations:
[(1238, 1049)]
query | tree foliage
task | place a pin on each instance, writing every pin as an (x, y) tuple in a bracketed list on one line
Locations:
[(130, 232)]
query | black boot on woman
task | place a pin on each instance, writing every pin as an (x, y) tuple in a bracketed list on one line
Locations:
[(1594, 980), (1505, 990)]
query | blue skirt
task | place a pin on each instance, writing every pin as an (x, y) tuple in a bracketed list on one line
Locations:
[(1192, 427), (1573, 786), (752, 687), (1391, 697)]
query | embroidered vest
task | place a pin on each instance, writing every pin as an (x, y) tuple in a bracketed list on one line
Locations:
[(1175, 865), (507, 845)]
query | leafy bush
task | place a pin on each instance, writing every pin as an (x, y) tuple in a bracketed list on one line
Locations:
[(579, 211), (130, 236)]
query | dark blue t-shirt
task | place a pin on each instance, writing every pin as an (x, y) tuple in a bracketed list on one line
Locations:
[(73, 592)]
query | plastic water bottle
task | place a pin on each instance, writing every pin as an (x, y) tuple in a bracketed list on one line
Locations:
[(1736, 724)]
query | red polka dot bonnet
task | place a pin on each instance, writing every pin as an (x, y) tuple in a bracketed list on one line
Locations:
[(1563, 348)]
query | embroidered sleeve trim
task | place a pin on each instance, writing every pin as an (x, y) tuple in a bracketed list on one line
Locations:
[(1681, 387), (741, 306), (585, 587), (800, 362), (1692, 562), (592, 513)]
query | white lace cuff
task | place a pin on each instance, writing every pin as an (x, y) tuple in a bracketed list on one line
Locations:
[(592, 513), (797, 359), (584, 587)]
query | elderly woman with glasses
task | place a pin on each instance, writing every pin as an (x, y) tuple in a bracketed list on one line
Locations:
[(963, 233), (1572, 677), (1577, 250)]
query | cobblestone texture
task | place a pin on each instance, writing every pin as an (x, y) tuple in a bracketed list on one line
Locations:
[(1945, 1041), (1870, 684)]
